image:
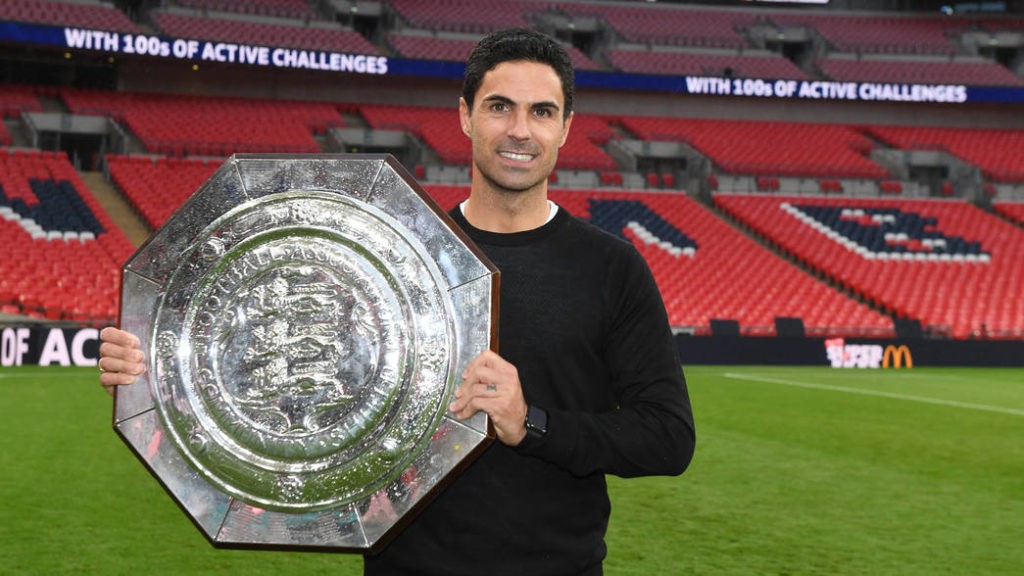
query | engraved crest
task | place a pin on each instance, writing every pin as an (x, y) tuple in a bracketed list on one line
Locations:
[(307, 349)]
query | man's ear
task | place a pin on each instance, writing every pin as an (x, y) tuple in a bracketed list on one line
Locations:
[(565, 128), (464, 117)]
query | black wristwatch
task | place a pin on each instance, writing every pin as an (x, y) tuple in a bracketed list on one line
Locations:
[(536, 422)]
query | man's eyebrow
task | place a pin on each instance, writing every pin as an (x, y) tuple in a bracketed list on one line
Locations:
[(507, 100), (498, 98), (547, 104)]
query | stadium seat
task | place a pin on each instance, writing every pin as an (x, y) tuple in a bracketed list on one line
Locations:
[(946, 263), (93, 15), (702, 64), (667, 25), (156, 188), (210, 126), (1012, 210), (995, 151), (465, 16), (765, 147), (63, 253), (981, 73), (328, 37)]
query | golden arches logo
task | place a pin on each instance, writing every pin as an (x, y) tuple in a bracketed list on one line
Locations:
[(897, 356)]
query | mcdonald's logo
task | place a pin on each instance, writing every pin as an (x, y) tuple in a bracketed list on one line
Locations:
[(897, 356)]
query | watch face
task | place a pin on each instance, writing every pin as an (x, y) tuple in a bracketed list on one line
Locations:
[(536, 420)]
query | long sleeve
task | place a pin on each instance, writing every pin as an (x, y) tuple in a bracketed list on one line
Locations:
[(649, 429)]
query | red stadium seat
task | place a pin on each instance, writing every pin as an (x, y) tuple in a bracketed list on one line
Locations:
[(208, 126), (995, 151), (59, 242), (767, 148), (700, 64), (958, 293)]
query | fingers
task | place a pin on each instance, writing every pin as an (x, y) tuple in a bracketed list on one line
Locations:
[(121, 360), (487, 376), (119, 337), (489, 369), (491, 384), (110, 364), (109, 379), (114, 357)]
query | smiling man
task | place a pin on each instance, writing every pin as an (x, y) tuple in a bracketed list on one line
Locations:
[(588, 381), (517, 119)]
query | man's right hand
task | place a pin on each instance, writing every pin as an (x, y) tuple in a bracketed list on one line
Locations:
[(121, 359)]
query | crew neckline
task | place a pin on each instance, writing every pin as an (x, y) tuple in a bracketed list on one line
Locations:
[(556, 216), (552, 210)]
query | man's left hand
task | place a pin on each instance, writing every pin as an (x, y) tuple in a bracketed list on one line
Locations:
[(491, 384)]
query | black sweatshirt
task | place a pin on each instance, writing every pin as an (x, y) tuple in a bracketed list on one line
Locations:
[(583, 322)]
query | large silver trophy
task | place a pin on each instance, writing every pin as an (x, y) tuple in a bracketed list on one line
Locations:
[(305, 320)]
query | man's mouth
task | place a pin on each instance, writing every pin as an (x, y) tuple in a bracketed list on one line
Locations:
[(518, 157)]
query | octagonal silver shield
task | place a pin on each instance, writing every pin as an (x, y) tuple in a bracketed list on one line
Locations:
[(305, 319)]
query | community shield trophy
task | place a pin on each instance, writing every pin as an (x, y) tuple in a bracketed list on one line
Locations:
[(305, 319)]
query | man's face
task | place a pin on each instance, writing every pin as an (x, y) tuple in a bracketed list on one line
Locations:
[(516, 125)]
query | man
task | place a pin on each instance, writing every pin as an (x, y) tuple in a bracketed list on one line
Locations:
[(587, 382)]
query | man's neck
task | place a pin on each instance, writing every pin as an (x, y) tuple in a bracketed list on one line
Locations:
[(507, 212)]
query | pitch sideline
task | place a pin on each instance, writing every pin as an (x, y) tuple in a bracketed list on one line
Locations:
[(895, 395)]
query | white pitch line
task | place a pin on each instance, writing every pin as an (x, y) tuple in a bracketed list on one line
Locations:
[(910, 397)]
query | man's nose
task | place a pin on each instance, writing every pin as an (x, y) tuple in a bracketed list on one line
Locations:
[(519, 125)]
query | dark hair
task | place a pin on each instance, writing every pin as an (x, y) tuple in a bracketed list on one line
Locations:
[(517, 44)]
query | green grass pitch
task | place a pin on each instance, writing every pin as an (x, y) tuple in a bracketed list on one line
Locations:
[(797, 471)]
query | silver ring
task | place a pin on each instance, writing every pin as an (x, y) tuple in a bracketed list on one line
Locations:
[(492, 387)]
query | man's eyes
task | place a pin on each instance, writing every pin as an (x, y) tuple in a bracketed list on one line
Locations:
[(503, 107)]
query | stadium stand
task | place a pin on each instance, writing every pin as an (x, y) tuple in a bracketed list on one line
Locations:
[(78, 14), (432, 48), (209, 126), (295, 9), (880, 34), (648, 24), (15, 99), (767, 148), (707, 270), (948, 264), (976, 73), (157, 186), (583, 149), (62, 251), (996, 152), (437, 127), (698, 64), (466, 16), (1011, 24), (326, 36), (1012, 210), (458, 49)]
